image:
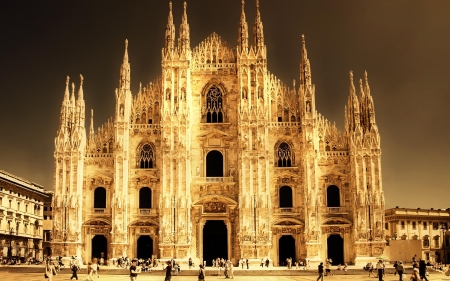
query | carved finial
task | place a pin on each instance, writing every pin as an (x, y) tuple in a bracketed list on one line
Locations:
[(365, 77), (351, 76), (257, 4), (126, 43), (303, 39), (184, 5), (67, 80), (170, 6), (81, 80)]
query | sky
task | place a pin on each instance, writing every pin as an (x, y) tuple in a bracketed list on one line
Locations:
[(404, 45)]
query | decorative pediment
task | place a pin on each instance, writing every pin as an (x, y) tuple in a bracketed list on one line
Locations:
[(144, 223), (287, 222), (215, 133), (334, 177), (216, 198), (336, 221), (145, 179), (101, 179), (97, 222), (287, 177)]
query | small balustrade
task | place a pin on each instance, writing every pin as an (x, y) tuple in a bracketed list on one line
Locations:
[(99, 210)]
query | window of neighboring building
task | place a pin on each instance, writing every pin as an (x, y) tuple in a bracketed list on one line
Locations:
[(214, 105), (436, 241), (100, 197), (402, 224), (333, 196), (386, 225), (146, 157), (284, 155), (425, 225), (45, 217), (285, 197), (435, 225), (426, 242), (145, 198), (45, 209), (413, 225), (47, 236)]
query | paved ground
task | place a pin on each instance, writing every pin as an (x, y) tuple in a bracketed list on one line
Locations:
[(18, 276)]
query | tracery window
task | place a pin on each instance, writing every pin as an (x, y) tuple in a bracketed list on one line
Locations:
[(146, 157), (284, 155), (214, 105)]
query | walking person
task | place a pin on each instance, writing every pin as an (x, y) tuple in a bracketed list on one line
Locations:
[(190, 263), (95, 267), (134, 270), (74, 267), (380, 269), (320, 270), (415, 274), (169, 271), (50, 270), (89, 272), (230, 270), (400, 271), (201, 273), (328, 269), (422, 270), (246, 262)]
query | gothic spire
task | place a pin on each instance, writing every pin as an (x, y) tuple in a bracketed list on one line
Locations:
[(305, 67), (66, 93), (170, 31), (91, 127), (184, 31), (80, 91), (124, 82), (352, 116), (243, 31), (258, 34)]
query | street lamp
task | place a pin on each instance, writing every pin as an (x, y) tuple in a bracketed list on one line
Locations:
[(444, 229), (11, 233)]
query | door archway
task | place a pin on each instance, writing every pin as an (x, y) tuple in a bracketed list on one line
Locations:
[(286, 249), (99, 247), (144, 247), (215, 241), (335, 249)]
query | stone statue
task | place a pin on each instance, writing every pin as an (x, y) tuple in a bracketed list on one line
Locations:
[(231, 171), (198, 172)]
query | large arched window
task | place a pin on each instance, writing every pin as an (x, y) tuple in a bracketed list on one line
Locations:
[(146, 157), (214, 164), (100, 197), (214, 105), (285, 197), (145, 198), (284, 155), (333, 196)]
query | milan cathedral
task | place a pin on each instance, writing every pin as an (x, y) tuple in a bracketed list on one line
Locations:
[(218, 158)]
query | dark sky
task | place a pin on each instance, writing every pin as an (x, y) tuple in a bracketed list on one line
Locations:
[(404, 46)]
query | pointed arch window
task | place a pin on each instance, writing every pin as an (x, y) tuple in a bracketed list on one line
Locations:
[(146, 157), (214, 105), (284, 155)]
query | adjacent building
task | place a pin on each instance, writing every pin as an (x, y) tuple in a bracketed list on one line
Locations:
[(21, 217), (219, 158), (420, 232)]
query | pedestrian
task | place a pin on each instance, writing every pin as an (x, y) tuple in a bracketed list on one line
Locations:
[(230, 270), (201, 273), (380, 270), (74, 267), (89, 272), (400, 271), (95, 267), (328, 269), (246, 261), (49, 270), (190, 263), (262, 263), (395, 267), (267, 262), (415, 274), (134, 270), (169, 271), (242, 263), (320, 270), (370, 269), (422, 270)]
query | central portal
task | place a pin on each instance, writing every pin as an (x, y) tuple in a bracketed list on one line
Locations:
[(144, 247), (215, 241)]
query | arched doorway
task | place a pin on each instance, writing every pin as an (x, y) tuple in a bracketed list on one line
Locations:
[(99, 247), (335, 246), (286, 249), (214, 164), (215, 241), (144, 247)]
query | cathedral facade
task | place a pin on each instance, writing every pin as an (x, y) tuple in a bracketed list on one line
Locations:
[(218, 158)]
